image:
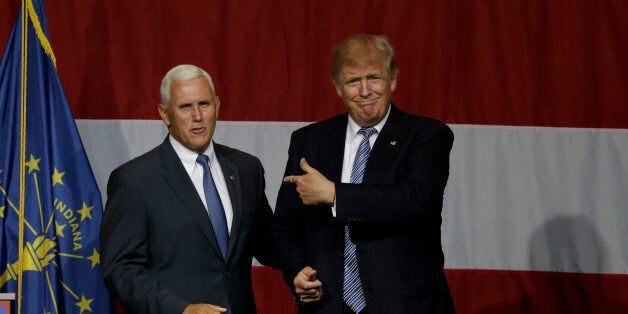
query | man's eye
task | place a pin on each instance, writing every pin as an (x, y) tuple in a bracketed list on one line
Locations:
[(374, 79), (204, 105), (352, 83)]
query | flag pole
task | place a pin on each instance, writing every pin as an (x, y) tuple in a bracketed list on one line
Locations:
[(22, 171)]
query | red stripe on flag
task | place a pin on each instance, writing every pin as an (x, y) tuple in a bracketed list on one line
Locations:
[(514, 292), (556, 63), (491, 291)]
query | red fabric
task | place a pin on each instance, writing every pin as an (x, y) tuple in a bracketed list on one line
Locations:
[(272, 295), (537, 62), (489, 291), (492, 291), (514, 292)]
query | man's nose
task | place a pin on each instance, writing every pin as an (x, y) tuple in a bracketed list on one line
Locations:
[(365, 89), (196, 112)]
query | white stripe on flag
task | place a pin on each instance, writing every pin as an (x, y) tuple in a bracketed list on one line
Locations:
[(518, 198)]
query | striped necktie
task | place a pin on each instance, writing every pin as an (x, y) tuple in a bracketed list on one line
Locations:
[(352, 291)]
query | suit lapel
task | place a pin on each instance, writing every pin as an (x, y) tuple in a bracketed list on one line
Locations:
[(174, 173), (332, 149), (232, 178), (386, 147)]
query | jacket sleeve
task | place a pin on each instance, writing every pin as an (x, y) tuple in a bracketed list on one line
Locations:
[(125, 252), (289, 227), (412, 189), (264, 248)]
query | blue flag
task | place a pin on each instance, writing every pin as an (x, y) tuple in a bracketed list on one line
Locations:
[(50, 205)]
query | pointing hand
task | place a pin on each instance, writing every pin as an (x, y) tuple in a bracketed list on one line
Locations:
[(313, 187)]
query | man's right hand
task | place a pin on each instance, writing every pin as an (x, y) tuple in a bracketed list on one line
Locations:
[(201, 308), (306, 286)]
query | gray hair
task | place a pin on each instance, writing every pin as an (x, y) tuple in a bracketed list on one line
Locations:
[(182, 72)]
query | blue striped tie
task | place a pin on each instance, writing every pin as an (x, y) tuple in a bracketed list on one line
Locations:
[(214, 206), (352, 287)]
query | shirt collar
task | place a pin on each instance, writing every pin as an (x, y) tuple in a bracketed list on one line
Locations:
[(353, 127), (187, 156)]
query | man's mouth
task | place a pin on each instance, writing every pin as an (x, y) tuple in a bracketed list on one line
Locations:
[(198, 130)]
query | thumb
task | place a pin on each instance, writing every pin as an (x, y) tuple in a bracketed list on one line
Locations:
[(305, 166), (310, 273)]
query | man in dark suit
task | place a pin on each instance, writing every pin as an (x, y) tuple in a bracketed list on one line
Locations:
[(359, 212), (173, 240)]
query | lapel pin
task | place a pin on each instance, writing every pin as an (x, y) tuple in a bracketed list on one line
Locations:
[(393, 143), (231, 178)]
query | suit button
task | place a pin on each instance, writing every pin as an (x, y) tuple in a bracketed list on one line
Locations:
[(227, 273)]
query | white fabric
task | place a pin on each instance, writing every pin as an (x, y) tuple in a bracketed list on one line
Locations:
[(518, 198)]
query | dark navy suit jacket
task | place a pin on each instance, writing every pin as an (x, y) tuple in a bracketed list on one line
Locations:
[(159, 251), (394, 216)]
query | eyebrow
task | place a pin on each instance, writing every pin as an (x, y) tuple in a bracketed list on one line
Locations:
[(367, 76), (206, 101)]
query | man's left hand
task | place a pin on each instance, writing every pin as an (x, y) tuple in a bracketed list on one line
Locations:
[(313, 187)]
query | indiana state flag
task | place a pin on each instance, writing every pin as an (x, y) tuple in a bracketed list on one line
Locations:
[(50, 206)]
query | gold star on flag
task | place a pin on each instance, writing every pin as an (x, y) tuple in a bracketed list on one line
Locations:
[(59, 229), (33, 164), (95, 258), (84, 304), (86, 212), (57, 177)]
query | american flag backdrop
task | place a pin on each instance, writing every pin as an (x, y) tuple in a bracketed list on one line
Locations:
[(536, 207)]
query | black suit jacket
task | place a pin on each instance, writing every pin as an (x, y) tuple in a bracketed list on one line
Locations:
[(394, 216), (159, 252)]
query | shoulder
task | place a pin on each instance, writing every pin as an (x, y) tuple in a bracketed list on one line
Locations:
[(141, 163), (427, 122), (235, 155), (322, 127), (426, 125), (150, 165), (140, 171)]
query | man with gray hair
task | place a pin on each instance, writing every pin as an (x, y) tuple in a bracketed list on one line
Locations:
[(183, 221)]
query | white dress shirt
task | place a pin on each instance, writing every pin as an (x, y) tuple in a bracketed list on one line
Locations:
[(352, 143), (195, 171)]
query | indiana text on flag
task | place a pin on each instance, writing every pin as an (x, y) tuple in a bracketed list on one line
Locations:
[(50, 205)]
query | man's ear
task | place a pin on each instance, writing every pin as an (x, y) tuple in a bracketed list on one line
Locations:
[(217, 105), (337, 87), (393, 83), (163, 114)]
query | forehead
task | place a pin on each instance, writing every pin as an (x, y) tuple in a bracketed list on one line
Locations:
[(190, 89), (373, 68)]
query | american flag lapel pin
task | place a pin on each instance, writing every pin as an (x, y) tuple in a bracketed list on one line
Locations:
[(393, 143)]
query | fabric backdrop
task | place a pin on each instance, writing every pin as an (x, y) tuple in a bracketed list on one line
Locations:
[(536, 208)]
